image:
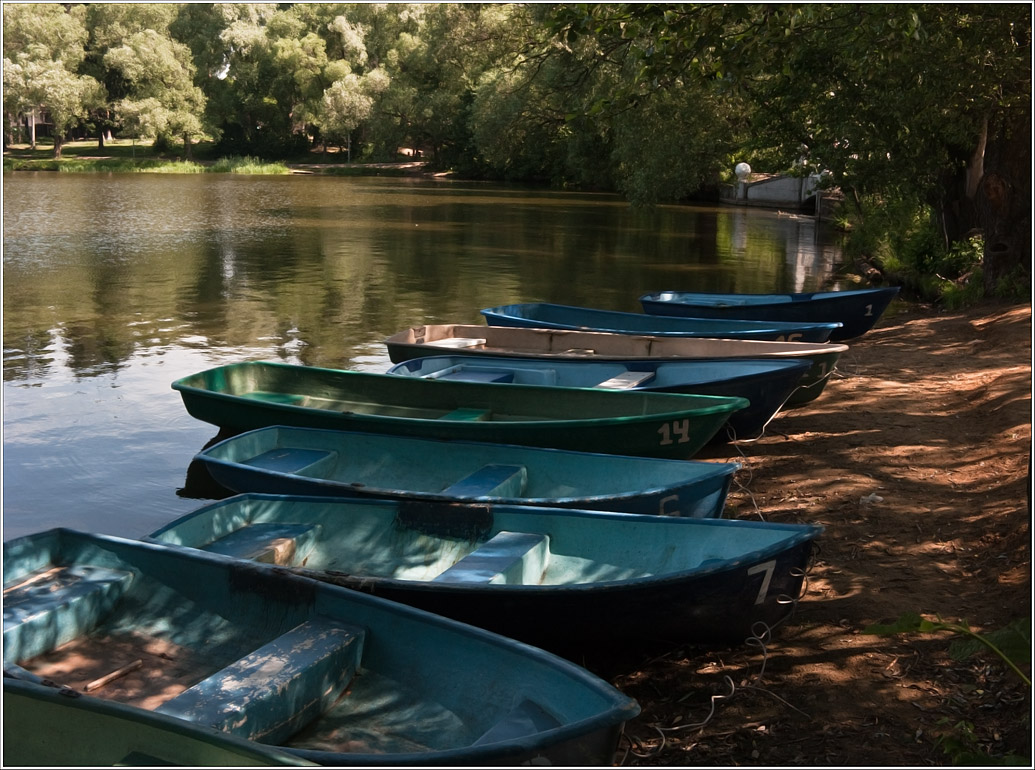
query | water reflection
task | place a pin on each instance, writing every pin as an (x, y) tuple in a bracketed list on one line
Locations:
[(115, 285)]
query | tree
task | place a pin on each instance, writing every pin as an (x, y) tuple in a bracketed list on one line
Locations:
[(43, 48), (910, 101), (348, 102), (235, 68), (110, 25), (161, 97)]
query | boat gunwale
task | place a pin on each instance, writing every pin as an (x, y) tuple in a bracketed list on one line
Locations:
[(796, 349), (765, 299)]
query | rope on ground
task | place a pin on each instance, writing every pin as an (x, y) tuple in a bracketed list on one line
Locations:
[(742, 486)]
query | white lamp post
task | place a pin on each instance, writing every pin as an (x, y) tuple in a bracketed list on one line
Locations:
[(742, 170)]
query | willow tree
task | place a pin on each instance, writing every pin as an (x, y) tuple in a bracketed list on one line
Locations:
[(44, 45), (161, 98), (110, 26)]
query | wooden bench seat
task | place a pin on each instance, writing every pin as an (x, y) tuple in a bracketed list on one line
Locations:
[(456, 342), (311, 462), (493, 480), (464, 374), (626, 380), (276, 690), (285, 544), (511, 558), (57, 605)]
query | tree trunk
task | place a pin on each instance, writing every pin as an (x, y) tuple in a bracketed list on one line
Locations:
[(58, 141), (1003, 205), (187, 146)]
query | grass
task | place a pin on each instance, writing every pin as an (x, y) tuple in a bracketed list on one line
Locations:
[(126, 156)]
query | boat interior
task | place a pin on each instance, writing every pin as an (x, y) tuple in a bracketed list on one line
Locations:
[(309, 682)]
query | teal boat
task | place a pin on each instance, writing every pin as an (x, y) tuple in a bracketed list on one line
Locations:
[(330, 675), (585, 584), (857, 310), (257, 394), (57, 727), (766, 384), (313, 461), (568, 345), (544, 315)]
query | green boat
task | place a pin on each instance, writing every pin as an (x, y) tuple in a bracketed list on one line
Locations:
[(328, 674), (256, 394), (568, 345), (56, 727)]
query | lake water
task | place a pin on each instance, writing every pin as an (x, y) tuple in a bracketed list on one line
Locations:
[(116, 285)]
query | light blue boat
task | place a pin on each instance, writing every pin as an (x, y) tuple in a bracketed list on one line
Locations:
[(311, 461), (331, 675), (602, 347), (766, 384), (544, 315)]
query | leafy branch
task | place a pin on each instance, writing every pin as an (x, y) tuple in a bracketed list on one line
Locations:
[(1011, 643)]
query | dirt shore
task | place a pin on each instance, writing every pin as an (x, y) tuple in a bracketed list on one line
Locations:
[(916, 460)]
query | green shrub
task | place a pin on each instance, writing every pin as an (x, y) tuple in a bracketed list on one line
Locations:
[(247, 164), (905, 243)]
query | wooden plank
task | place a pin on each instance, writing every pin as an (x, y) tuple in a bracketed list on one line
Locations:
[(280, 687), (58, 605), (493, 480), (464, 374), (291, 459), (506, 557), (270, 542), (456, 342), (626, 380)]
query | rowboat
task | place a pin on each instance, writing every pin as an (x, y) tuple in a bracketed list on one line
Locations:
[(857, 310), (256, 394), (56, 727), (543, 315), (578, 583), (333, 676), (312, 461), (766, 384), (567, 345)]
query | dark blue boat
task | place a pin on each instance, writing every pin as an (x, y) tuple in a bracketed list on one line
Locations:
[(543, 315), (584, 584), (857, 309), (766, 384)]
